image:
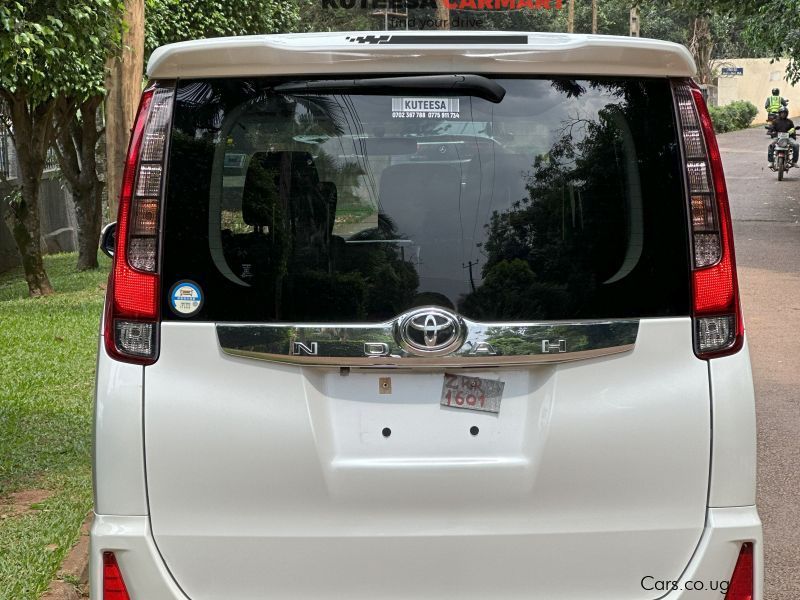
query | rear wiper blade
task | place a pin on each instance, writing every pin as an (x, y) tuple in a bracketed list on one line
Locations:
[(468, 85)]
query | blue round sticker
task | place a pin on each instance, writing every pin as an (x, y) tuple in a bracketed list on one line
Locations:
[(185, 298)]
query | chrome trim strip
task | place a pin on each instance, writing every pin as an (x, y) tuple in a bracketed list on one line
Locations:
[(375, 345)]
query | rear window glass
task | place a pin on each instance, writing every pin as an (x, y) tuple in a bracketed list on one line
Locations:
[(562, 201)]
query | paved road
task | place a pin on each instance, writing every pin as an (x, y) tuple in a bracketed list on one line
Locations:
[(767, 235)]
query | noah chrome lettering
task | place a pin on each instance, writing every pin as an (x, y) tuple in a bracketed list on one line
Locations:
[(428, 337)]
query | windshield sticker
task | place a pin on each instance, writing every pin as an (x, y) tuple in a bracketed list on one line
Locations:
[(185, 298), (425, 108)]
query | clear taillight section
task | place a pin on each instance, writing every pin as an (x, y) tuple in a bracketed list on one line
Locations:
[(143, 236), (134, 338), (131, 327), (718, 327), (702, 203)]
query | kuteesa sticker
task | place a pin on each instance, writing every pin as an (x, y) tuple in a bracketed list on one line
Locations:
[(185, 298), (425, 108)]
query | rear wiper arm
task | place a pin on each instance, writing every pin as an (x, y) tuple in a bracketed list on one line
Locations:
[(469, 85)]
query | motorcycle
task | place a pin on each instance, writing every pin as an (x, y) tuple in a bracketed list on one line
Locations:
[(783, 155)]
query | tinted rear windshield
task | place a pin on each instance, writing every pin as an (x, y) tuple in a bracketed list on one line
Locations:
[(562, 201)]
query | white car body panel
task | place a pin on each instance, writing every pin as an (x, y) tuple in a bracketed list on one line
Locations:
[(119, 485), (331, 53), (733, 472), (573, 487)]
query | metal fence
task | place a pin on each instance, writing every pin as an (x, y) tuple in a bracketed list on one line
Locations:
[(8, 162), (8, 156), (56, 211)]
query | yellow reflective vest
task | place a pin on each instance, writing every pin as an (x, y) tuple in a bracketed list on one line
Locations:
[(774, 104)]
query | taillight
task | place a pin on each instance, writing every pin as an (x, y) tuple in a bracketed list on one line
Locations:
[(740, 586), (113, 584), (132, 305), (718, 325)]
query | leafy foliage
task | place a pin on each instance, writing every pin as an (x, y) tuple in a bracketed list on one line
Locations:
[(51, 48), (659, 19), (733, 116), (52, 58), (774, 25), (313, 17), (168, 21), (767, 27)]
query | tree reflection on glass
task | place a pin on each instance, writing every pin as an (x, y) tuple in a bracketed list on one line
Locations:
[(562, 243)]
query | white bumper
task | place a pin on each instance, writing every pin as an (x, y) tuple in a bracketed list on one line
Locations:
[(146, 576)]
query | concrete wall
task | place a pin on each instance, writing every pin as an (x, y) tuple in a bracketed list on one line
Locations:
[(57, 219), (760, 76)]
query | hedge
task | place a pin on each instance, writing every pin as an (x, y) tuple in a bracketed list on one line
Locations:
[(733, 116)]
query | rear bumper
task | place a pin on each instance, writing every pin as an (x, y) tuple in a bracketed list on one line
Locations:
[(146, 575)]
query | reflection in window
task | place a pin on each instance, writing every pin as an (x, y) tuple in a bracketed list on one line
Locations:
[(562, 201)]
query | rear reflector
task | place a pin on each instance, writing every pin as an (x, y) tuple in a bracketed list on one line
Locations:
[(740, 586), (113, 584), (718, 326)]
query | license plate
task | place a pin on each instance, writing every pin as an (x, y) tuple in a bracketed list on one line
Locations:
[(472, 393)]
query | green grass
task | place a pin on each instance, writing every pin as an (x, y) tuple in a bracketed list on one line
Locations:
[(47, 360)]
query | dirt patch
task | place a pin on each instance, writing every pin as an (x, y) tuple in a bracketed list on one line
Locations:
[(23, 502), (72, 581)]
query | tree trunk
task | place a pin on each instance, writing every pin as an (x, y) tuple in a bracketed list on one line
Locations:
[(23, 221), (571, 16), (76, 147), (701, 45), (635, 22), (442, 15), (124, 85), (32, 129), (89, 212)]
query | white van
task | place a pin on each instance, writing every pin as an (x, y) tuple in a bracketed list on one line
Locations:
[(424, 315)]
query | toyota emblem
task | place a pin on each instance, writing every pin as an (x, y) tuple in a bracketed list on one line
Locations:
[(430, 331)]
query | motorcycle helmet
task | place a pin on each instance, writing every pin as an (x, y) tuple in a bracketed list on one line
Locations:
[(776, 92), (783, 111)]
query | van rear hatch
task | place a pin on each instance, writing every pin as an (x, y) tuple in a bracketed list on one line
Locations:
[(426, 339)]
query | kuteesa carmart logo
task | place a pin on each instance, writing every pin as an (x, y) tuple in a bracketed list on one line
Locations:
[(482, 5)]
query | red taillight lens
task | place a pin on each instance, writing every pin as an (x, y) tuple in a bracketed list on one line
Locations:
[(740, 586), (132, 312), (113, 584), (718, 326)]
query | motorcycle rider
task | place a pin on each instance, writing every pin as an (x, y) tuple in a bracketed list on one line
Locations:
[(775, 101), (783, 124)]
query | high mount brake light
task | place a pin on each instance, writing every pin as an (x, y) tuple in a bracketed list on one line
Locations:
[(718, 325), (132, 304), (113, 584)]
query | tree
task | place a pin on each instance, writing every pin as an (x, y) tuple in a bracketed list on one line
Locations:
[(49, 56), (77, 136), (442, 15), (774, 25), (168, 21), (315, 18), (766, 27), (123, 88)]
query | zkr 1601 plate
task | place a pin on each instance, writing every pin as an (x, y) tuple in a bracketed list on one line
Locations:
[(472, 393)]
